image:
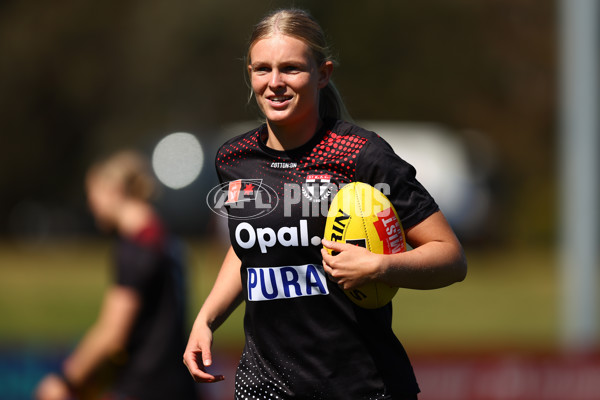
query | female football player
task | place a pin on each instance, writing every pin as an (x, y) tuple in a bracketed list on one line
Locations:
[(133, 349), (304, 338)]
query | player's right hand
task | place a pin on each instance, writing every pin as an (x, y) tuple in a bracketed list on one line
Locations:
[(52, 387), (197, 356)]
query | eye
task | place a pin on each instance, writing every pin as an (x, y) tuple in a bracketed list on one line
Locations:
[(261, 69), (291, 69)]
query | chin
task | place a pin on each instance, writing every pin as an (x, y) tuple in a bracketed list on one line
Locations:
[(277, 117), (286, 119)]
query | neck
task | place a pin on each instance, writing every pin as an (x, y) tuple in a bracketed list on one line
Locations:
[(283, 137)]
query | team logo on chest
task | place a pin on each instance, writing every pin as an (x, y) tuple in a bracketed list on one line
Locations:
[(317, 187)]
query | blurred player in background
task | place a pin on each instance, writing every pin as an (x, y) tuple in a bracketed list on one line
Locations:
[(139, 334)]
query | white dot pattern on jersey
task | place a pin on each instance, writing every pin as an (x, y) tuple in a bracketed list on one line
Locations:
[(250, 384)]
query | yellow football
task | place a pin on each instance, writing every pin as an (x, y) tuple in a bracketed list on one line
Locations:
[(360, 214)]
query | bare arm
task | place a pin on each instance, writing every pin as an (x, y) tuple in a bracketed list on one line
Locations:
[(105, 338), (224, 298), (437, 260)]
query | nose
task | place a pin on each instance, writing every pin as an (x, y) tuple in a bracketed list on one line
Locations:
[(276, 80)]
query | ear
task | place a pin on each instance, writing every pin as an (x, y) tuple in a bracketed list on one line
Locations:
[(325, 72)]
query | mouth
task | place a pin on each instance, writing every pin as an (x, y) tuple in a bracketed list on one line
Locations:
[(279, 99)]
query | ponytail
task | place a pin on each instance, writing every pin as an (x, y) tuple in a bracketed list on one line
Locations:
[(331, 105)]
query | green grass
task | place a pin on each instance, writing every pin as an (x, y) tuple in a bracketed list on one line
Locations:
[(508, 301), (51, 294)]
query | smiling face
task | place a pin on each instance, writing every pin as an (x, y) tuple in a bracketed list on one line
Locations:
[(286, 80)]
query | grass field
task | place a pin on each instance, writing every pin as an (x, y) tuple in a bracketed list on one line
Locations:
[(50, 293)]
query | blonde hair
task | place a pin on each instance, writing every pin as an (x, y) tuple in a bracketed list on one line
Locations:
[(301, 25), (130, 171)]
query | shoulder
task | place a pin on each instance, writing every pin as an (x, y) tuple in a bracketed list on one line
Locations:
[(349, 129), (249, 138), (236, 149), (367, 142), (237, 152)]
